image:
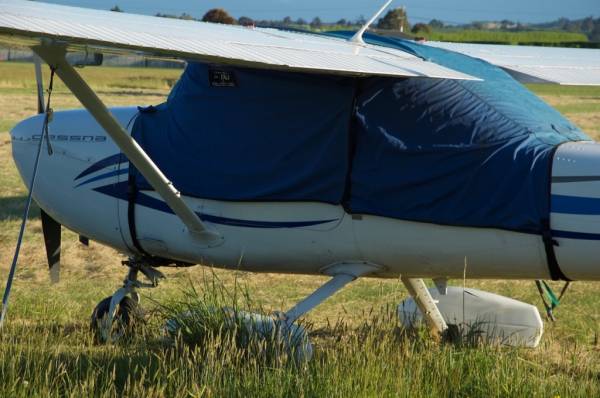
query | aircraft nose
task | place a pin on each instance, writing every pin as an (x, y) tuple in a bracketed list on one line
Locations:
[(25, 138), (575, 209)]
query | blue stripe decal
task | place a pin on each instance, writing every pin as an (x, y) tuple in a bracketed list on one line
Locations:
[(575, 235), (102, 176), (575, 205), (101, 164), (119, 191)]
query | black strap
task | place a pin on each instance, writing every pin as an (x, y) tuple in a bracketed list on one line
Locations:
[(549, 243), (132, 191), (131, 196), (352, 132)]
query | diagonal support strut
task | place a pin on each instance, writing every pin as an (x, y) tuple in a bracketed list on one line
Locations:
[(341, 275), (54, 55)]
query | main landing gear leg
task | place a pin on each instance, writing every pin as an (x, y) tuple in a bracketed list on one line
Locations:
[(341, 274), (432, 315), (295, 335), (116, 315)]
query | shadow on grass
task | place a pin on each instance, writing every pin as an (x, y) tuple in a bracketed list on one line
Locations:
[(105, 369), (12, 207), (111, 366)]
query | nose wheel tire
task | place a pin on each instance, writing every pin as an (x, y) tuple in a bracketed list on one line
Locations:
[(128, 315)]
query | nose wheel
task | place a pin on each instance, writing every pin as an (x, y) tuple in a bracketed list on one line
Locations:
[(116, 317), (128, 314)]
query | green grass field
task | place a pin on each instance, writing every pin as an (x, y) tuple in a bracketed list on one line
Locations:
[(462, 35), (46, 349), (497, 36)]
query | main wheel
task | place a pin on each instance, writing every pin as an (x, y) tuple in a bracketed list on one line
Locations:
[(128, 316)]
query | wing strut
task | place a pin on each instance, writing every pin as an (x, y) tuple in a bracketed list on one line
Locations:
[(55, 56), (357, 38)]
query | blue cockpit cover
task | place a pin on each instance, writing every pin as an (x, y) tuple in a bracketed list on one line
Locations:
[(261, 135), (472, 153), (468, 153)]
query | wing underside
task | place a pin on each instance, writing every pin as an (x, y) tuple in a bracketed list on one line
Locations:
[(28, 24)]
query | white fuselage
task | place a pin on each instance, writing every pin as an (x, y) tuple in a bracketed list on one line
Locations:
[(83, 185)]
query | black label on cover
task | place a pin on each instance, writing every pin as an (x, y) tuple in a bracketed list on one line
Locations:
[(221, 78)]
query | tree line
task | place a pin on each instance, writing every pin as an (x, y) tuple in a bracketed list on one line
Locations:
[(397, 20)]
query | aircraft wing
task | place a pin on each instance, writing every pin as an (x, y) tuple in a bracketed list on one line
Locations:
[(27, 24), (528, 64)]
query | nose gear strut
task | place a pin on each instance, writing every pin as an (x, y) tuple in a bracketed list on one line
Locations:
[(121, 310)]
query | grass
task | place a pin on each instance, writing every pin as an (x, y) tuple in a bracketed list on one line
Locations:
[(46, 349), (581, 104), (495, 36), (460, 35)]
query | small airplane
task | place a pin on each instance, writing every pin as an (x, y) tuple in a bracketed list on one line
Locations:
[(343, 154)]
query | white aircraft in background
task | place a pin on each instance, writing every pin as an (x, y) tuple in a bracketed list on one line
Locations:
[(77, 184)]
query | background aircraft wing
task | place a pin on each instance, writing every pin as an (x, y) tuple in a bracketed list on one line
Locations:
[(528, 64), (27, 23)]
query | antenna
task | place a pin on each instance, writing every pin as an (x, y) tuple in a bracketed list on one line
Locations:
[(357, 38)]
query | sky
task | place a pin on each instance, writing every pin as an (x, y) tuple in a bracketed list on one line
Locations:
[(453, 12)]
